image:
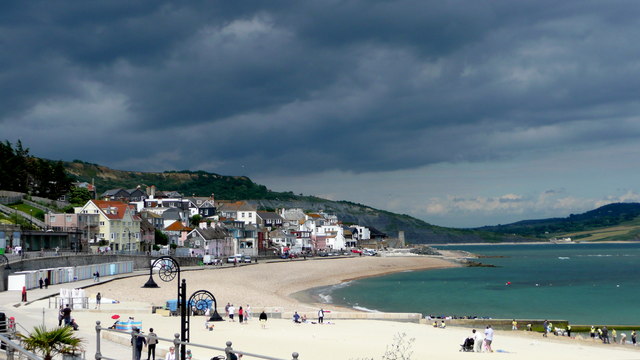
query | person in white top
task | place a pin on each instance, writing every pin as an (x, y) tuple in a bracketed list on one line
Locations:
[(171, 355), (477, 340), (232, 311), (488, 338)]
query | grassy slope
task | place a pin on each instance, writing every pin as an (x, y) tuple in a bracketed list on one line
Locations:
[(201, 183)]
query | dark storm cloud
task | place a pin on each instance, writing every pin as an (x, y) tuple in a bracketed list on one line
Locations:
[(355, 86)]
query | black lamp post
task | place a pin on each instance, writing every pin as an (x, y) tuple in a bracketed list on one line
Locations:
[(198, 301)]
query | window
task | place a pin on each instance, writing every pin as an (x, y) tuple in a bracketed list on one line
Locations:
[(52, 218), (101, 223), (113, 236), (68, 218)]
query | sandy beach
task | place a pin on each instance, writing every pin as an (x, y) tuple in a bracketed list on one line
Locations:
[(270, 285)]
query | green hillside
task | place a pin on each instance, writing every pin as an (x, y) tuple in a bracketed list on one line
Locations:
[(613, 222), (201, 183)]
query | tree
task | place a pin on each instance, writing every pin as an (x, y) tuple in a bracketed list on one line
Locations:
[(51, 342), (79, 196), (195, 220), (161, 238)]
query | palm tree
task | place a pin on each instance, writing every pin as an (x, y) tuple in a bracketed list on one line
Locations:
[(51, 342)]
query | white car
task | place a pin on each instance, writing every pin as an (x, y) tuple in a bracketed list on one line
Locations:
[(235, 258)]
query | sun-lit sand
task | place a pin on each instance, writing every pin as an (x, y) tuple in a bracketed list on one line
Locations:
[(269, 285)]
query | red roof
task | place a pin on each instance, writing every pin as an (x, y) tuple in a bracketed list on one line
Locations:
[(177, 226), (115, 209)]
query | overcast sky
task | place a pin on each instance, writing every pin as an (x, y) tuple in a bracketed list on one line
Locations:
[(460, 113)]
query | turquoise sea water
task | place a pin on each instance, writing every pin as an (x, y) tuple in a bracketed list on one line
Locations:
[(583, 283)]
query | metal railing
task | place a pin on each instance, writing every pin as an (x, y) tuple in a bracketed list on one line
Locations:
[(12, 348), (176, 344)]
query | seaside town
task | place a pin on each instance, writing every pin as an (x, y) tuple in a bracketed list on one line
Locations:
[(313, 180), (148, 220)]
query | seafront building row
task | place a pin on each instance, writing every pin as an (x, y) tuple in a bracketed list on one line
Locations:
[(134, 220)]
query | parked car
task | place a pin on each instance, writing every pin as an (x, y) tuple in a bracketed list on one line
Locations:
[(234, 258), (356, 251), (246, 259)]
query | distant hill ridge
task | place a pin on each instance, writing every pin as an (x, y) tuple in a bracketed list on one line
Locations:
[(610, 215), (202, 183)]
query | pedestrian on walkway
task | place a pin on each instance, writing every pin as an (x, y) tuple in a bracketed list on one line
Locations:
[(24, 294), (151, 345), (98, 299), (41, 283), (46, 283), (97, 276)]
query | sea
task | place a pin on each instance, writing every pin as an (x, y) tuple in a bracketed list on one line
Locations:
[(582, 283)]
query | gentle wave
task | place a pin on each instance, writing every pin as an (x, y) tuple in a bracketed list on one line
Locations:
[(325, 296), (564, 257), (362, 308)]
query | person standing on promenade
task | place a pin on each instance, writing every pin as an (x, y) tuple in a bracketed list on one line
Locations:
[(46, 283), (97, 276), (226, 310), (151, 344), (66, 315), (240, 314), (320, 316), (488, 338), (171, 355), (24, 294), (247, 313), (41, 283), (263, 319), (138, 342), (98, 299), (60, 315)]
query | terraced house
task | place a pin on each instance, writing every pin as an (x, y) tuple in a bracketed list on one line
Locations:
[(118, 223)]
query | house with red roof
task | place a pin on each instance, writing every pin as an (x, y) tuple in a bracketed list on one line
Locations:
[(118, 224)]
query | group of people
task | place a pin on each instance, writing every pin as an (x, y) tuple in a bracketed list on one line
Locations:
[(480, 342), (603, 334), (303, 319), (44, 283), (64, 315), (244, 314)]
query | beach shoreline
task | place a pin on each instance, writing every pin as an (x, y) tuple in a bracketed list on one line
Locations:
[(272, 286)]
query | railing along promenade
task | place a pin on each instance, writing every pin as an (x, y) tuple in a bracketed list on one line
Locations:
[(227, 351)]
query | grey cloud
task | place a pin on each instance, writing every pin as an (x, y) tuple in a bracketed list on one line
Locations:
[(356, 86)]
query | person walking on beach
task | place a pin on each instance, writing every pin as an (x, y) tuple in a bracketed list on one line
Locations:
[(477, 340), (605, 335), (263, 319), (226, 310), (569, 330), (592, 333), (232, 311), (488, 338), (98, 299), (514, 325), (545, 328), (247, 313), (151, 344), (634, 337), (320, 316), (614, 336), (623, 339)]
